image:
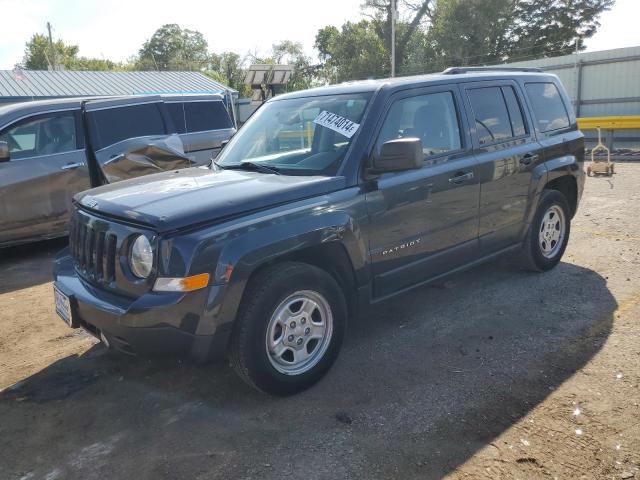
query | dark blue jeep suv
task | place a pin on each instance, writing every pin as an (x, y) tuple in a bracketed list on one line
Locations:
[(325, 201)]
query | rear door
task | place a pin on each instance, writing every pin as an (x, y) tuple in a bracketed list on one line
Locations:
[(424, 222), (203, 125), (47, 167), (133, 137), (508, 158)]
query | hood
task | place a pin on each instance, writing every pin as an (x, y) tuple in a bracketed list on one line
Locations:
[(172, 200)]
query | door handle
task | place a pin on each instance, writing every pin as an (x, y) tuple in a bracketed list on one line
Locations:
[(528, 158), (70, 166), (461, 177)]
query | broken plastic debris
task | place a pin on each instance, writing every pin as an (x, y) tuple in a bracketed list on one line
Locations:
[(578, 431), (576, 412), (619, 376), (525, 442)]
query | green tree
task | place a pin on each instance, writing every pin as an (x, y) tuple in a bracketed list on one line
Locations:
[(551, 27), (355, 51), (433, 34), (477, 32), (292, 53), (229, 68), (174, 48), (38, 55), (469, 31), (93, 64), (409, 28)]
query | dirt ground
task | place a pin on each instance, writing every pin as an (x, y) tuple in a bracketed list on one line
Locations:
[(495, 373)]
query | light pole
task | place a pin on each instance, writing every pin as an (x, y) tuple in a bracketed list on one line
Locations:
[(393, 38)]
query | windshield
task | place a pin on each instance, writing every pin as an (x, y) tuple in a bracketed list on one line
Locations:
[(298, 136)]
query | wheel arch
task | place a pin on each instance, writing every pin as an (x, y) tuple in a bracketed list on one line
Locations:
[(568, 186), (331, 257), (332, 242)]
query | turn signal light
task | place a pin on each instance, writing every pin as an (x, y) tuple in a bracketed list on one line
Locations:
[(186, 284)]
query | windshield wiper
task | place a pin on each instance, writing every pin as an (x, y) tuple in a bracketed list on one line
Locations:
[(247, 165)]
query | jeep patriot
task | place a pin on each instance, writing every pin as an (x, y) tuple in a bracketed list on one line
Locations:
[(326, 201)]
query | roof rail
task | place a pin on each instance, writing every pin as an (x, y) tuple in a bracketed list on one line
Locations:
[(459, 70)]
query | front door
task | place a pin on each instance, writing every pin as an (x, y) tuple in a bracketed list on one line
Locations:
[(47, 167), (424, 222)]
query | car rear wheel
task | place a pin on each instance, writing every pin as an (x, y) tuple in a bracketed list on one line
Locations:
[(289, 328), (548, 235)]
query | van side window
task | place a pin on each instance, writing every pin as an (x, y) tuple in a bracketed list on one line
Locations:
[(178, 115), (548, 107), (491, 115), (113, 125), (515, 112), (41, 135), (198, 116), (431, 118)]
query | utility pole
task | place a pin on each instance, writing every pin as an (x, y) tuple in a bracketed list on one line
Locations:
[(52, 64), (393, 38)]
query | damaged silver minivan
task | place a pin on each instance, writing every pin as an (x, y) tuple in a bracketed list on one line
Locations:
[(52, 149)]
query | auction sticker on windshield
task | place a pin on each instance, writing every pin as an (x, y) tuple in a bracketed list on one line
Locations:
[(339, 124)]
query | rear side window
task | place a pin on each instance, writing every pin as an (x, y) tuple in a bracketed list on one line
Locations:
[(548, 107), (198, 116), (490, 115), (113, 125)]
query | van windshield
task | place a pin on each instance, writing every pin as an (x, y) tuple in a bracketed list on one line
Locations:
[(298, 136)]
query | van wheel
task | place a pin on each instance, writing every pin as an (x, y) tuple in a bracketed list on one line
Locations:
[(289, 329), (548, 235)]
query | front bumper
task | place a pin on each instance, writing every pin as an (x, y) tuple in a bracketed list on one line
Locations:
[(183, 324)]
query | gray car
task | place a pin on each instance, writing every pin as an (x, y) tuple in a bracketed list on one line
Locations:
[(52, 149)]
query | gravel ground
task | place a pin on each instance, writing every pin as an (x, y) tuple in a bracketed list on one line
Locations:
[(495, 373)]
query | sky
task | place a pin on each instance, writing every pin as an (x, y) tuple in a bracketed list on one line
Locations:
[(115, 29)]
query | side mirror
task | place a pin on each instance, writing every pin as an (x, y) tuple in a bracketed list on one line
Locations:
[(5, 154), (399, 154)]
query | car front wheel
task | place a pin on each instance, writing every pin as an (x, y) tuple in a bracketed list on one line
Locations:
[(289, 328)]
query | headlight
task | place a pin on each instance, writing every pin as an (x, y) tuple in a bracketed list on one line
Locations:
[(141, 259)]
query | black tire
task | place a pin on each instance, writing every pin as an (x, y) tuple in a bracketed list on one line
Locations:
[(532, 257), (265, 292)]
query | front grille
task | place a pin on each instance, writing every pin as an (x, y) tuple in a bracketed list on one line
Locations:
[(93, 249)]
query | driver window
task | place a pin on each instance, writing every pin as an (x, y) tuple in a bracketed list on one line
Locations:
[(431, 118), (42, 135)]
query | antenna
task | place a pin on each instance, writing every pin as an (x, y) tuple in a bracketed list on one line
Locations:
[(52, 64)]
